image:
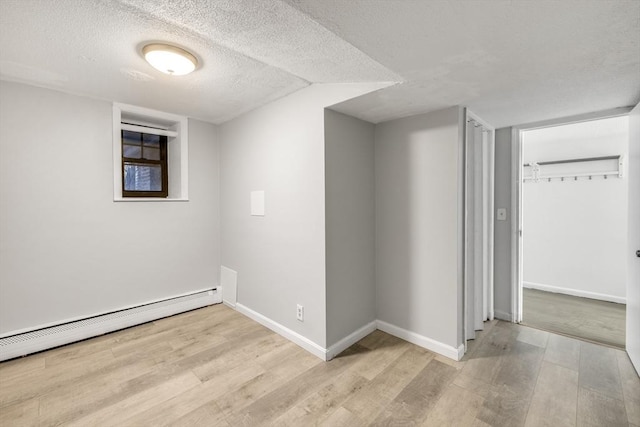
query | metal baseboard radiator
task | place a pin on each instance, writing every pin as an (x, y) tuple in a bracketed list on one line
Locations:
[(30, 342)]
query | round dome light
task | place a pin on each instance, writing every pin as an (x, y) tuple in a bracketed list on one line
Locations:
[(169, 59)]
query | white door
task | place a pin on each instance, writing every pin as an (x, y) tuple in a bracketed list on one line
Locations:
[(633, 277), (479, 192)]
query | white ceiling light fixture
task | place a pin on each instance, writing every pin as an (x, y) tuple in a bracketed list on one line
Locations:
[(169, 59)]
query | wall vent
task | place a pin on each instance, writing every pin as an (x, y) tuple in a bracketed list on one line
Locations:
[(54, 336)]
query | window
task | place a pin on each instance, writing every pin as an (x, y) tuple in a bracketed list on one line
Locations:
[(150, 155), (144, 165)]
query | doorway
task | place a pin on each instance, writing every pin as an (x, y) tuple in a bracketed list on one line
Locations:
[(573, 228), (479, 160)]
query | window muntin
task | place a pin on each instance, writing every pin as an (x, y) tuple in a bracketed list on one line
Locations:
[(144, 164)]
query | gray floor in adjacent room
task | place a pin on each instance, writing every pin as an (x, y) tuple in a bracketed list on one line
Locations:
[(592, 320)]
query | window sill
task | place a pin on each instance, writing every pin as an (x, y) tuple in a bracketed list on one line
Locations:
[(147, 199)]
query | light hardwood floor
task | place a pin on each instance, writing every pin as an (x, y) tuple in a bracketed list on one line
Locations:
[(215, 367), (589, 319)]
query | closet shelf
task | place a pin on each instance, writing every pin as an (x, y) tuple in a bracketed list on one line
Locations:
[(586, 159), (538, 175)]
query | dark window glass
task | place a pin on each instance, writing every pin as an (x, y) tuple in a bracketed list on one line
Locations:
[(152, 140), (142, 177), (130, 137), (151, 153), (131, 151), (144, 165)]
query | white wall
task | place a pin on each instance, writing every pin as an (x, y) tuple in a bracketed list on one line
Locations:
[(574, 232), (502, 229), (280, 257), (66, 248), (350, 225), (417, 253)]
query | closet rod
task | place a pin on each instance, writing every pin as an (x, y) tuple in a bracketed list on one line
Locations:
[(587, 159)]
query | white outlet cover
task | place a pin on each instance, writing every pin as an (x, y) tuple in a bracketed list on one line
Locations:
[(502, 214)]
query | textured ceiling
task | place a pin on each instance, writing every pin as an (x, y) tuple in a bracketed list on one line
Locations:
[(251, 52), (511, 62)]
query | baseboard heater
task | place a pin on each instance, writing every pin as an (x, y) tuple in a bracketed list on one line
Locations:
[(33, 341)]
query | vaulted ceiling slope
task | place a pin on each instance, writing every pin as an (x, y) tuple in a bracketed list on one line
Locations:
[(510, 61)]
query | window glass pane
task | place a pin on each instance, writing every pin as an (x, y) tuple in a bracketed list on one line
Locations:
[(142, 177), (151, 153), (132, 151), (149, 139), (129, 137)]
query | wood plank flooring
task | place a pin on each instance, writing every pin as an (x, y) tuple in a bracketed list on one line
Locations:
[(215, 367), (593, 320)]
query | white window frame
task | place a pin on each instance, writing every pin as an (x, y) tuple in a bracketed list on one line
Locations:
[(161, 123)]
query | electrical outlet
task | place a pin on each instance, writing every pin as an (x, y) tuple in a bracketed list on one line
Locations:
[(300, 313)]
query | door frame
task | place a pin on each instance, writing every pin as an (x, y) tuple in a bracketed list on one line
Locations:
[(516, 194), (632, 345)]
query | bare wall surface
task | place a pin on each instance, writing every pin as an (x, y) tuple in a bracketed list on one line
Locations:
[(502, 231), (66, 248), (280, 257), (350, 224), (416, 185)]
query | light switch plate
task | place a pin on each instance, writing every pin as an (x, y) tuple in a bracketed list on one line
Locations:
[(502, 214), (257, 203)]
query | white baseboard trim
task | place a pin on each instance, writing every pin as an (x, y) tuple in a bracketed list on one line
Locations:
[(327, 354), (574, 292), (21, 344), (422, 341), (349, 340), (503, 315), (283, 331)]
